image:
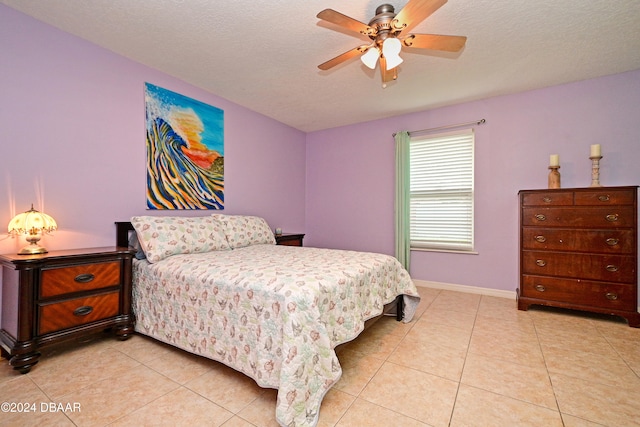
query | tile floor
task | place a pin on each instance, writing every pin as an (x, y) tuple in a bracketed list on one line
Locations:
[(466, 360)]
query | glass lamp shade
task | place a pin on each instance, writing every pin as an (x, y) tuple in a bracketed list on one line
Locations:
[(33, 224), (370, 57), (391, 48)]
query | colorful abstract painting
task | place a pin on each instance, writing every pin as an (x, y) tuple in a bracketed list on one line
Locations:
[(185, 152)]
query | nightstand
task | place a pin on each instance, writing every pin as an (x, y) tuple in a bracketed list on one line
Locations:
[(289, 239), (63, 295)]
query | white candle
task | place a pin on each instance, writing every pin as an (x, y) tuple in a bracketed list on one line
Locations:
[(554, 160), (595, 150)]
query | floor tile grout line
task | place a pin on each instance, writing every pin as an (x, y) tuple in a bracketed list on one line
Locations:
[(466, 355), (608, 340), (544, 358)]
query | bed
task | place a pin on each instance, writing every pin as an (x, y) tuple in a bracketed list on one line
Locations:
[(218, 286)]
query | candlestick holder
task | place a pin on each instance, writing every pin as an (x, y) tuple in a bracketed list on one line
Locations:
[(554, 177), (595, 171)]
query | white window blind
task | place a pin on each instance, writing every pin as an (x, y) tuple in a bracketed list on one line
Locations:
[(441, 191)]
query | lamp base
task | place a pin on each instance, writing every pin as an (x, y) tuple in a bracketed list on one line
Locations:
[(32, 249)]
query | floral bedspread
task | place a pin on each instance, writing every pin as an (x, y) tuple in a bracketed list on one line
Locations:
[(275, 313)]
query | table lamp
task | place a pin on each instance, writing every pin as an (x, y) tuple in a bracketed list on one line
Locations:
[(33, 224)]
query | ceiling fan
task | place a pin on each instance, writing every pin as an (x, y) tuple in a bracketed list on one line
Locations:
[(388, 32)]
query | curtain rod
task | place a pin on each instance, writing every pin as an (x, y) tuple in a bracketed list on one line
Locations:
[(478, 122)]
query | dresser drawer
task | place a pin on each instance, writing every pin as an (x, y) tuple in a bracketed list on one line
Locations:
[(606, 197), (551, 198), (591, 217), (614, 296), (58, 281), (565, 239), (75, 312), (610, 268)]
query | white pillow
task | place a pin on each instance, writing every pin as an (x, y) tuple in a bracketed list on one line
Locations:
[(243, 230), (161, 237)]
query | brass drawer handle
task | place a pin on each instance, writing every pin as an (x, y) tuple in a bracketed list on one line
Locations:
[(84, 278), (611, 296), (541, 262), (612, 217), (612, 241), (604, 198), (83, 310), (546, 199), (540, 288), (541, 217), (612, 268), (540, 239)]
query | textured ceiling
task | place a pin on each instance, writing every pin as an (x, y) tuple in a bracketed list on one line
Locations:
[(264, 54)]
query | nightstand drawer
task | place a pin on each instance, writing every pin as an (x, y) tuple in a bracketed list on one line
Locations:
[(58, 281), (67, 314), (289, 239)]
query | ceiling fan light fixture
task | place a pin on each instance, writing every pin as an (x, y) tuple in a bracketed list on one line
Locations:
[(388, 31), (391, 50), (370, 57)]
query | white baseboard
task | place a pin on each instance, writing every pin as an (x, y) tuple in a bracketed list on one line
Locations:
[(468, 289)]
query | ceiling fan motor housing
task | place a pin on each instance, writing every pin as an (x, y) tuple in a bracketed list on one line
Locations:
[(381, 24)]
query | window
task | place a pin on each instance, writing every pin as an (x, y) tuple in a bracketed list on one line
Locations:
[(441, 191)]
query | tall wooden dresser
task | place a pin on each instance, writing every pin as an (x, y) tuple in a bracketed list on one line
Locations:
[(578, 250)]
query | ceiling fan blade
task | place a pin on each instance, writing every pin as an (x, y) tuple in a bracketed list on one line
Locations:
[(435, 42), (344, 21), (342, 58), (415, 12)]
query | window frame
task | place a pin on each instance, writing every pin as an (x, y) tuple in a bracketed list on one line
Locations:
[(456, 199)]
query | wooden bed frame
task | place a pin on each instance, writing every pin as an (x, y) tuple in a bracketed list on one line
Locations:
[(123, 228)]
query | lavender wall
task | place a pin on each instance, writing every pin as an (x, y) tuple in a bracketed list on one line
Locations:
[(73, 140), (350, 171)]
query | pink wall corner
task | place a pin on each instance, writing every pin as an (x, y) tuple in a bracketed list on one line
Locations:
[(73, 126)]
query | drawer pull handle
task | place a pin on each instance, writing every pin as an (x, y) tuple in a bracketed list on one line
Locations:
[(84, 278), (541, 239), (541, 262), (611, 296), (546, 199), (540, 288), (612, 217), (612, 241), (83, 310), (603, 198), (612, 268), (541, 217)]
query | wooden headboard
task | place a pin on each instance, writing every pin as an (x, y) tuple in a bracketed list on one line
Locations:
[(122, 233)]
